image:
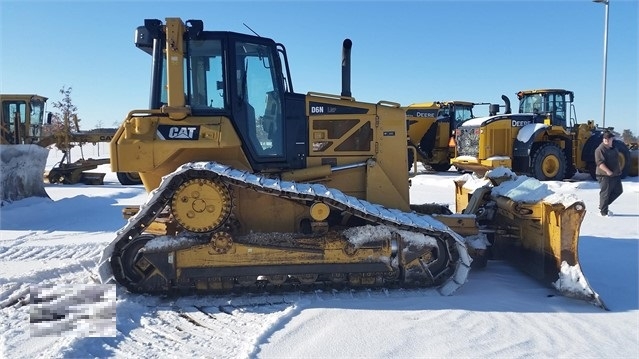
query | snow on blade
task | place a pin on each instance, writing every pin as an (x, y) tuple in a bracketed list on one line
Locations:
[(519, 188), (571, 279), (523, 189), (573, 283)]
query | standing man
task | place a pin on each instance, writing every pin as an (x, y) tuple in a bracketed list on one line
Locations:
[(608, 173)]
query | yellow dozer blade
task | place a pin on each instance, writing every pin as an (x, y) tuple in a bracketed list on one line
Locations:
[(529, 225), (22, 170)]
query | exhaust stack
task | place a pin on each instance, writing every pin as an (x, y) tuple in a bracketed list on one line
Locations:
[(507, 104), (346, 68)]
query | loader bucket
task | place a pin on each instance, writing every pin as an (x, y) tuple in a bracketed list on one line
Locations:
[(22, 170), (532, 227)]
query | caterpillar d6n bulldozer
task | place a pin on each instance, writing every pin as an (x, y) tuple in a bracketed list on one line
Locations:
[(543, 140), (431, 131), (253, 185)]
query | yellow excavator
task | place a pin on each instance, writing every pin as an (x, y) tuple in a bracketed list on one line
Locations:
[(254, 186)]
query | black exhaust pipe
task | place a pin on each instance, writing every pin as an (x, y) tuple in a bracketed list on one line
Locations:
[(346, 68), (507, 104)]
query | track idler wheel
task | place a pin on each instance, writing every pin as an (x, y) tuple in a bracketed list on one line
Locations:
[(201, 205), (132, 266)]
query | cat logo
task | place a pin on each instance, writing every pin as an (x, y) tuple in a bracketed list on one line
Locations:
[(167, 132)]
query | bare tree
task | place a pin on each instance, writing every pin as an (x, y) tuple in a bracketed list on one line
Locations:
[(628, 137), (67, 111)]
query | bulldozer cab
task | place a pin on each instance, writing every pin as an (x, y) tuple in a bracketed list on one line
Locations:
[(224, 74), (22, 118), (553, 107)]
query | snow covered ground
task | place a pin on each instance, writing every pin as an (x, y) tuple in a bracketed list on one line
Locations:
[(49, 250)]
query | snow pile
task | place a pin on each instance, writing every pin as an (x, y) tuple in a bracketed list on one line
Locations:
[(22, 171)]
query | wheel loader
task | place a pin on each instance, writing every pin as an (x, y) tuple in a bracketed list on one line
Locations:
[(24, 141), (254, 187), (544, 140), (431, 131)]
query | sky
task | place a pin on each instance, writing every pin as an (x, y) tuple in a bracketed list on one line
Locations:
[(403, 51), (49, 249)]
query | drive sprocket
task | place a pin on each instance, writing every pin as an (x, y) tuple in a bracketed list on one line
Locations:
[(201, 205)]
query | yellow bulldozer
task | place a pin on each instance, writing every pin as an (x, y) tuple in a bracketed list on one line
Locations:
[(27, 133), (253, 186), (431, 131), (544, 140)]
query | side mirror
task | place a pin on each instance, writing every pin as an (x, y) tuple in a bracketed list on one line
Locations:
[(49, 118), (493, 109)]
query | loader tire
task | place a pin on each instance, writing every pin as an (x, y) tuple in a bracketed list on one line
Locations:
[(549, 163), (592, 169), (624, 158), (441, 167), (129, 178), (625, 161), (411, 159)]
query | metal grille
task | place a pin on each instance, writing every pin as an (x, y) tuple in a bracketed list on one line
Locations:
[(468, 141)]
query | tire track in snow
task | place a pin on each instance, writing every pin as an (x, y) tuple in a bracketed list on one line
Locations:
[(203, 326), (210, 326), (42, 252)]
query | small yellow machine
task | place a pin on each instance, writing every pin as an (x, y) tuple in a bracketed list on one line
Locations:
[(24, 140), (431, 131), (254, 186), (544, 140)]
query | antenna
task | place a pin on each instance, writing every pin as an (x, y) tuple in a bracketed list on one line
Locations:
[(256, 34)]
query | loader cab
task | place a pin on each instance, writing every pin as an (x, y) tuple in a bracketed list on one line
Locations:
[(225, 74), (552, 107), (22, 118), (456, 112)]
